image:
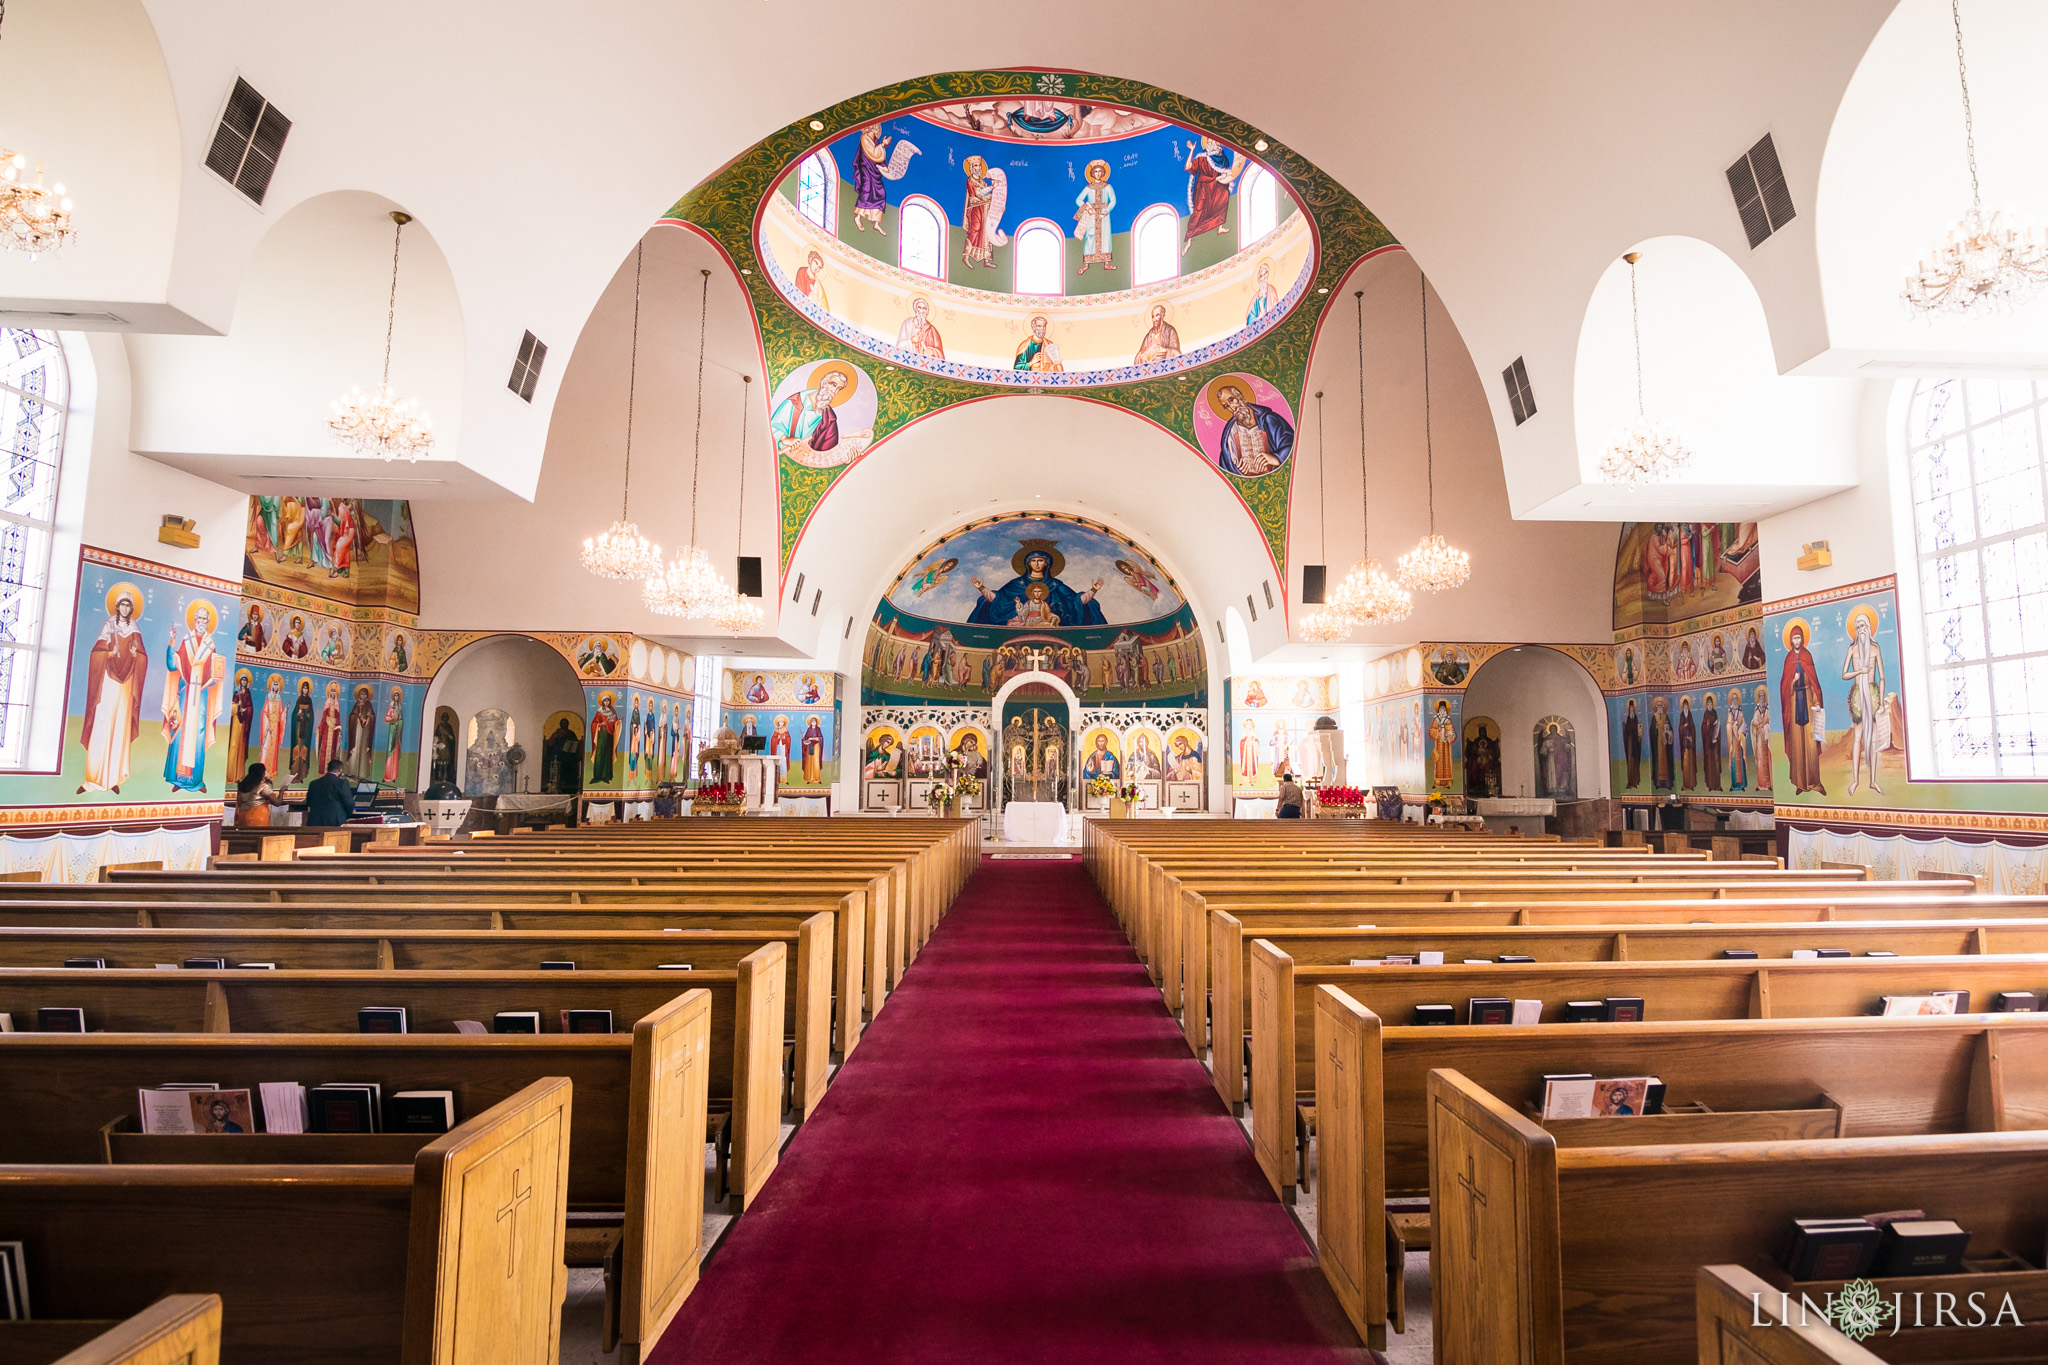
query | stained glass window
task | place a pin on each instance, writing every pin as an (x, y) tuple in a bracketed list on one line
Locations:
[(1980, 528), (34, 393), (817, 191), (704, 708)]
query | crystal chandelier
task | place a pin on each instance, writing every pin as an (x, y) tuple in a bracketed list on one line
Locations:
[(34, 217), (379, 422), (1434, 564), (1646, 449), (1367, 597), (1987, 260), (736, 614), (690, 587), (622, 552), (1322, 626)]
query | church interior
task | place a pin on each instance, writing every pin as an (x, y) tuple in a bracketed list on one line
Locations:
[(915, 607)]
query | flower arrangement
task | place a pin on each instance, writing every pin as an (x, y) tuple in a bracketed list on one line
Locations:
[(939, 794), (1103, 786), (968, 786), (718, 794), (1127, 791), (1341, 797)]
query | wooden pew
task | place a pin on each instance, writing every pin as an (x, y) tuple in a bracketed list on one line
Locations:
[(1746, 1320), (1283, 1006), (454, 1255), (855, 941), (808, 1011), (1884, 1077), (178, 1329), (1543, 1253)]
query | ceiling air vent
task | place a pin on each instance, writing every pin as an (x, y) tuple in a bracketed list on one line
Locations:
[(1314, 578), (247, 143), (1758, 183), (816, 598), (1521, 397), (526, 369), (1267, 585), (847, 634), (1249, 607), (798, 595)]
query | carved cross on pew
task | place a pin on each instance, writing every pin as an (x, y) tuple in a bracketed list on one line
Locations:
[(520, 1197), (1475, 1200)]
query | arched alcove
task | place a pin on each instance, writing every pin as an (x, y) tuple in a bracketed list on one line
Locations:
[(516, 674), (1708, 369), (1521, 687)]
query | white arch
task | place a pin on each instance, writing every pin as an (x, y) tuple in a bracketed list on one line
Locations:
[(1041, 227), (1053, 680)]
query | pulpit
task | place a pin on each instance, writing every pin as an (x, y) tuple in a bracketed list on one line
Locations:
[(754, 774)]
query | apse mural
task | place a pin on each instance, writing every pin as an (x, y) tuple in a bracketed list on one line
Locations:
[(1668, 571), (1037, 591), (360, 551)]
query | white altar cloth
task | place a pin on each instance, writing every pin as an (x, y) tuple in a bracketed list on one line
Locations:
[(1034, 822)]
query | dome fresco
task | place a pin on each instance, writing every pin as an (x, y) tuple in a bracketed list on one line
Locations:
[(970, 234)]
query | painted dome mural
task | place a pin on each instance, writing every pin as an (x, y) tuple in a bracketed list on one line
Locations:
[(1036, 243), (988, 600), (976, 233)]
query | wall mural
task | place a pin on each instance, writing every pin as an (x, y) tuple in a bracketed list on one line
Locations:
[(1482, 757), (636, 739), (1195, 160), (1270, 720), (1666, 572), (360, 551), (796, 712), (1001, 596), (1557, 759)]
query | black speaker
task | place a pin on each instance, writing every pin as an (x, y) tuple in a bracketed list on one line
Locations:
[(750, 576), (1312, 576)]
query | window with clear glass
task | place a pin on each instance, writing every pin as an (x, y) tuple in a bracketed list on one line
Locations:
[(1155, 241), (1041, 259), (34, 391), (704, 706), (1258, 206), (1980, 531), (921, 238), (817, 191)]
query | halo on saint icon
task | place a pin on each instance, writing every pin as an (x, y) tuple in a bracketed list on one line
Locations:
[(198, 605), (1861, 612), (128, 590), (1800, 624), (1039, 546)]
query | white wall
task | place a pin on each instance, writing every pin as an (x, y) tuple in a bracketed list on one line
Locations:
[(515, 674), (1856, 523), (1519, 688)]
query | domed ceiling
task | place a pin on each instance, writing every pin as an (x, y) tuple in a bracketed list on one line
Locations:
[(975, 234)]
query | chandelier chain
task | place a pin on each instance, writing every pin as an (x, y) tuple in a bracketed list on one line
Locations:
[(391, 304), (1636, 322), (740, 539), (1955, 8), (1364, 499), (632, 382), (1322, 487), (1428, 437), (697, 441)]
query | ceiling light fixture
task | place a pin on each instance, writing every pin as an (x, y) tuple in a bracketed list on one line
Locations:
[(690, 587), (381, 423), (736, 614), (622, 552), (1987, 260), (1646, 449), (34, 217), (1434, 565), (1367, 597), (1322, 626)]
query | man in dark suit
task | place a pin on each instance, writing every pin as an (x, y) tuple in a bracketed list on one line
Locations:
[(329, 799)]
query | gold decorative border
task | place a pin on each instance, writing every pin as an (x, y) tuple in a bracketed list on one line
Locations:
[(112, 813), (130, 564), (1982, 822), (1883, 583)]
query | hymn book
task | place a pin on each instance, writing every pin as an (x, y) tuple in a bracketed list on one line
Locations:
[(420, 1111), (516, 1021), (381, 1019), (98, 962), (344, 1107), (60, 1019)]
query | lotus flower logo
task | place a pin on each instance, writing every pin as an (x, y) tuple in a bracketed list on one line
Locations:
[(1859, 1310)]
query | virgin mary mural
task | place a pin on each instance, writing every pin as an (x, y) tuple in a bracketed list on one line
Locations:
[(1037, 592)]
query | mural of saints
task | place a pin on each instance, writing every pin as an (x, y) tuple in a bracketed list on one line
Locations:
[(1660, 742), (270, 724), (1212, 178), (1444, 737), (116, 670), (981, 217), (1738, 743), (1162, 340), (812, 747), (1092, 220), (327, 734), (1036, 590), (917, 335), (1557, 759), (1265, 298), (1799, 710), (810, 280), (1038, 352), (362, 729), (243, 718), (195, 694), (806, 424), (874, 166), (1256, 440), (604, 740), (1482, 757), (1632, 744)]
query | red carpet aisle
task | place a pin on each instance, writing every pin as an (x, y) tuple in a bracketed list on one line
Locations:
[(1021, 1163)]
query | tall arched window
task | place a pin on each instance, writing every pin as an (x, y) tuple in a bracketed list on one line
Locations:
[(817, 191), (1974, 475), (921, 237), (1155, 242), (34, 394), (1041, 258), (1258, 206)]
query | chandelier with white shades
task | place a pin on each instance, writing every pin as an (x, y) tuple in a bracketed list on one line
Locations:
[(737, 615), (1321, 625), (1987, 261), (1646, 449), (379, 422), (622, 552), (1367, 597), (689, 586), (1434, 564), (34, 217)]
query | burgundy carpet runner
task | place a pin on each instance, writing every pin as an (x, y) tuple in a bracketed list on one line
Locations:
[(1022, 1162)]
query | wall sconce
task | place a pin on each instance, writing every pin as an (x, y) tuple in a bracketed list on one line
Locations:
[(182, 532), (1816, 556)]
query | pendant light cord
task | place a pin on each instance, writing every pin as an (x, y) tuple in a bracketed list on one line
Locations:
[(697, 441), (632, 381), (1322, 488), (740, 540), (1364, 501), (391, 305), (1969, 120), (1636, 320), (1428, 438)]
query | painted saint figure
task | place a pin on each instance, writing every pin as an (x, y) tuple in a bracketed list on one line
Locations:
[(780, 741), (394, 733), (362, 727), (195, 693), (1660, 742), (1863, 670), (242, 716), (116, 669), (327, 734), (1038, 352), (1212, 178), (1445, 737), (1760, 738), (917, 335), (302, 729), (810, 279), (982, 214), (873, 167), (1632, 744), (1738, 743), (270, 724), (1688, 746), (1710, 742), (1036, 566), (1799, 708), (251, 637), (604, 739), (1256, 440), (1092, 220), (806, 425), (1265, 298), (1162, 340), (812, 747)]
